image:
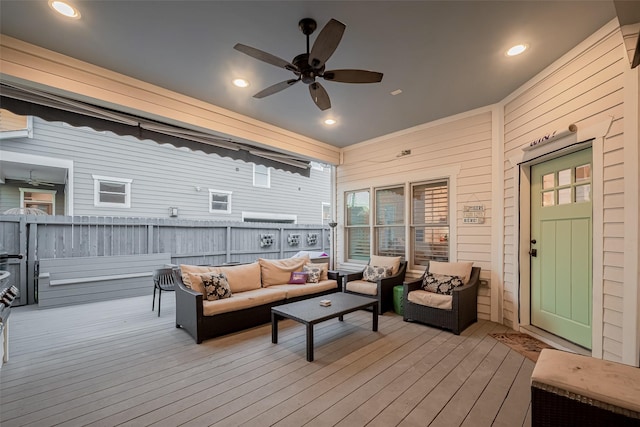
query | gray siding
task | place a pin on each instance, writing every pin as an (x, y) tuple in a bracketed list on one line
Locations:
[(164, 176)]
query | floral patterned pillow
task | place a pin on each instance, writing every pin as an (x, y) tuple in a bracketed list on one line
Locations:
[(216, 285), (372, 273), (314, 271), (440, 283)]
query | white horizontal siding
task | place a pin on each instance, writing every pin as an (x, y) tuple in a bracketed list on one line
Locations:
[(462, 144), (584, 90), (164, 176)]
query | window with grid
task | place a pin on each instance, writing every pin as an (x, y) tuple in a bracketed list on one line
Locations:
[(111, 192), (430, 222), (390, 226), (261, 176), (219, 201), (357, 232)]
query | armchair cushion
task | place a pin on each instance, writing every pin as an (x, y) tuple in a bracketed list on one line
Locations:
[(374, 273), (440, 283), (460, 269), (362, 287), (386, 261), (431, 299)]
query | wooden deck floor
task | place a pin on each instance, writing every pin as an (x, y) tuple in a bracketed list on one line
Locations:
[(117, 363)]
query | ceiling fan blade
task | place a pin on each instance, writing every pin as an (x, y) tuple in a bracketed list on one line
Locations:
[(276, 88), (319, 96), (353, 76), (265, 57), (326, 43)]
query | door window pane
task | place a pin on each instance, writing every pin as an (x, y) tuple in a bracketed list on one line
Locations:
[(564, 177), (583, 193), (583, 173), (548, 199), (564, 196), (548, 181)]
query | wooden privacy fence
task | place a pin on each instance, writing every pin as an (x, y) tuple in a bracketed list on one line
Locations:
[(187, 241)]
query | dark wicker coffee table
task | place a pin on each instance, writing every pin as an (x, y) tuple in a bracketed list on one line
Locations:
[(309, 312)]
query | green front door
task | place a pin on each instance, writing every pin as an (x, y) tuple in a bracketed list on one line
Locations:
[(561, 247)]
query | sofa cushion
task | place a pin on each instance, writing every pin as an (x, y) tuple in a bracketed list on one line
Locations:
[(362, 287), (243, 300), (386, 261), (314, 272), (373, 273), (298, 277), (185, 269), (243, 277), (324, 274), (431, 299), (278, 271), (294, 291), (440, 283), (215, 284), (460, 269)]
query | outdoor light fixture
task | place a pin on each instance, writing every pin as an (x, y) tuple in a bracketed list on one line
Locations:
[(173, 212)]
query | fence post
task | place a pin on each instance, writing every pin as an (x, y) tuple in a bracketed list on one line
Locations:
[(149, 238), (228, 243), (30, 284)]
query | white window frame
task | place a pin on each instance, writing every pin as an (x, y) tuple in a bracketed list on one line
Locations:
[(349, 227), (97, 179), (37, 190), (269, 217), (268, 185), (220, 193)]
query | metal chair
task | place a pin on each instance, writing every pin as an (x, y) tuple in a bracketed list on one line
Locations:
[(163, 280)]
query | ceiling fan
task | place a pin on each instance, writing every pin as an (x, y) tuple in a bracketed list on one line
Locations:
[(36, 182), (307, 66)]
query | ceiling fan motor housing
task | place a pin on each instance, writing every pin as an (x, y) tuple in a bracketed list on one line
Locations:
[(308, 74)]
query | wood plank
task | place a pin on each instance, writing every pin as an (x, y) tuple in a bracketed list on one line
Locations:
[(106, 364)]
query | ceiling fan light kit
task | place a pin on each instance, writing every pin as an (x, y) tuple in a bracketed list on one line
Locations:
[(311, 65)]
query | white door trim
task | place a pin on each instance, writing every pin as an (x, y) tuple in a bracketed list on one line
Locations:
[(520, 172)]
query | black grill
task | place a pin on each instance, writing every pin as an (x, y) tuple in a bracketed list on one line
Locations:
[(5, 257)]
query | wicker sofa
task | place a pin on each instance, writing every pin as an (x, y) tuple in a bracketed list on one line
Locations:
[(464, 304), (255, 288)]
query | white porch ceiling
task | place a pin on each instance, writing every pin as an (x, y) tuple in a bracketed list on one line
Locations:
[(446, 57)]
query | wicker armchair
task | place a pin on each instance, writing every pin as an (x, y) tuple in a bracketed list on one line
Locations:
[(464, 309), (382, 290)]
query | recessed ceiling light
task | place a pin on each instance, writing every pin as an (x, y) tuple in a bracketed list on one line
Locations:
[(330, 122), (64, 8), (517, 49), (240, 82)]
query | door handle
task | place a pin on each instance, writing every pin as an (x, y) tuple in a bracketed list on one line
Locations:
[(533, 252)]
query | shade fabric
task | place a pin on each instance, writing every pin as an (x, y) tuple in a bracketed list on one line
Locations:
[(30, 102)]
